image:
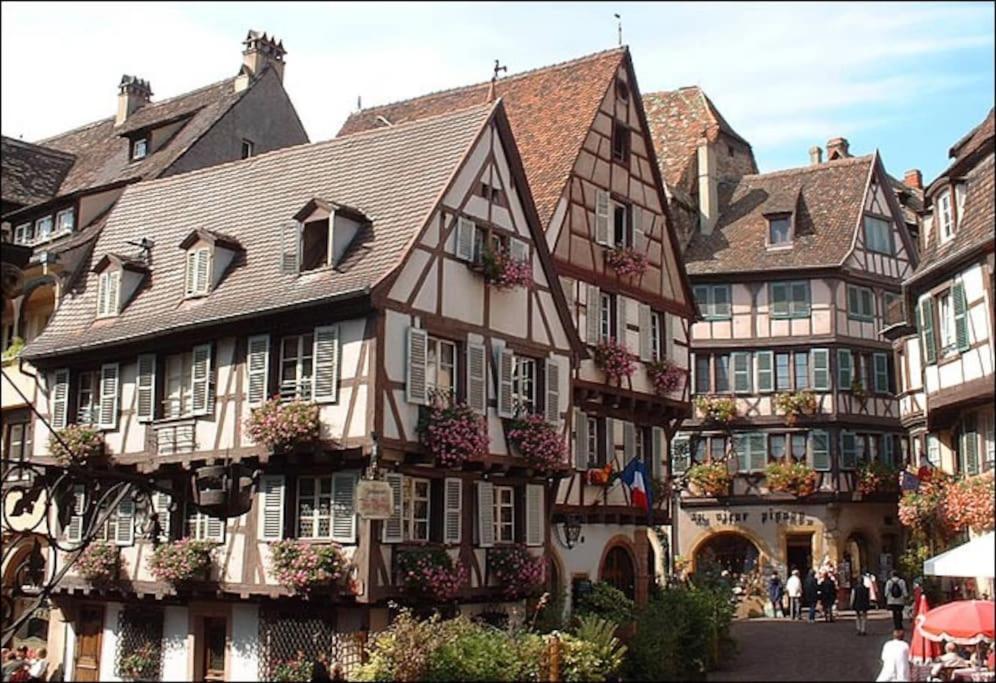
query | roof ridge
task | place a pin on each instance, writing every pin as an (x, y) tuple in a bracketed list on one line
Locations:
[(813, 167), (42, 149), (519, 75)]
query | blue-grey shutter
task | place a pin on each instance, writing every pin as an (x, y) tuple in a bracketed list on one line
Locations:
[(881, 362), (961, 316), (848, 450), (925, 321), (819, 448), (779, 299), (765, 378), (845, 370), (758, 451), (820, 360), (741, 372)]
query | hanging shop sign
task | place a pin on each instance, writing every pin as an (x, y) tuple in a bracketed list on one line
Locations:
[(374, 499)]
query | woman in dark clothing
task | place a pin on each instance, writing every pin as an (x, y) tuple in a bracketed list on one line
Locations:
[(811, 594), (828, 596), (775, 593)]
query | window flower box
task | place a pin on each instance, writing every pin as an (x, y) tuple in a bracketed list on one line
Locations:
[(710, 479), (924, 510), (298, 668), (430, 574), (301, 566), (538, 441), (83, 445), (875, 477), (504, 272), (718, 409), (796, 404), (283, 425), (665, 376), (516, 571), (614, 359), (98, 563), (790, 477), (180, 561), (453, 432), (626, 261)]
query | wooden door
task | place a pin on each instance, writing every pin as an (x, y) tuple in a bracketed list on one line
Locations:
[(89, 628), (215, 634), (618, 571)]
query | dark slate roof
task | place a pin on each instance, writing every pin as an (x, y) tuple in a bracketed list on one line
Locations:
[(828, 200), (394, 175), (550, 109), (31, 173)]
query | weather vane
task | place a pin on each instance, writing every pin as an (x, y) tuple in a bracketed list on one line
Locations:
[(619, 27)]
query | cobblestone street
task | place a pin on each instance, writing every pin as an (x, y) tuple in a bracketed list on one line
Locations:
[(783, 650)]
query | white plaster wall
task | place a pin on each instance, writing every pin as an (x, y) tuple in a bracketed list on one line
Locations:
[(109, 641), (244, 651), (177, 644)]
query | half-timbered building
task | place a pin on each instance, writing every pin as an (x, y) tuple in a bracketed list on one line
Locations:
[(346, 274)]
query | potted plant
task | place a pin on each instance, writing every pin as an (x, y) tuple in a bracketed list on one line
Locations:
[(504, 272), (664, 375), (78, 444), (538, 441), (452, 432), (710, 479), (181, 560), (98, 563), (431, 574), (794, 404), (719, 409), (283, 425), (858, 390), (141, 663), (302, 566), (876, 476), (790, 477), (614, 359), (516, 571), (626, 261)]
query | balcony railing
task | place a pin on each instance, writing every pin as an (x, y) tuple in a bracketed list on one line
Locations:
[(173, 436)]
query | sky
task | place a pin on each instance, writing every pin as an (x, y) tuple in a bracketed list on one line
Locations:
[(906, 78)]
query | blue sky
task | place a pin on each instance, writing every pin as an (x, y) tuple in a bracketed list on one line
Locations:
[(907, 78)]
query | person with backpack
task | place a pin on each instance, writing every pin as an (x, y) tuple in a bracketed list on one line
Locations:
[(895, 598), (860, 602)]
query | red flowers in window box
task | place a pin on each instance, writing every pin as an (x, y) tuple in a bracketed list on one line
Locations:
[(504, 272), (614, 360), (538, 441), (301, 566), (665, 376), (453, 432), (626, 261), (518, 572), (281, 425)]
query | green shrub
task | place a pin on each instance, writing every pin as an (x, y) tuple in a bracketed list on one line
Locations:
[(599, 638), (401, 652), (606, 601), (482, 653)]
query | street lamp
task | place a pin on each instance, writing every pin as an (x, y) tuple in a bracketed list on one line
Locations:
[(572, 531)]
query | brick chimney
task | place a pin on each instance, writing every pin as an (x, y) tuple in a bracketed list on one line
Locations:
[(133, 94), (262, 51), (815, 155), (837, 148), (913, 178)]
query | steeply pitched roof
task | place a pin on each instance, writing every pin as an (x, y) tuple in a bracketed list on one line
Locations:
[(828, 208), (550, 110), (31, 173), (972, 144), (394, 175)]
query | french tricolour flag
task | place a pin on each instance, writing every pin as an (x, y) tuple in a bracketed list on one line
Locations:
[(634, 475)]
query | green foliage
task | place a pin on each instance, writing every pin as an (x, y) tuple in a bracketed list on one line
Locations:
[(552, 615), (401, 651), (481, 653), (600, 637), (14, 350), (606, 601)]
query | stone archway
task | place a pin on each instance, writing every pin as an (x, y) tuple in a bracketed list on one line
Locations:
[(25, 565), (618, 568), (732, 550)]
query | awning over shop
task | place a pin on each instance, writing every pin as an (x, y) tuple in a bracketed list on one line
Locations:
[(972, 559)]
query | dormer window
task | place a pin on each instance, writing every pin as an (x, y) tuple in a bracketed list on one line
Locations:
[(65, 221), (43, 228), (24, 234), (108, 293), (780, 231), (139, 148), (208, 255), (945, 218), (118, 279), (319, 236), (247, 148), (198, 276)]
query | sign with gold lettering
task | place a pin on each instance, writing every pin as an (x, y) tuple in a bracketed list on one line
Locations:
[(374, 499)]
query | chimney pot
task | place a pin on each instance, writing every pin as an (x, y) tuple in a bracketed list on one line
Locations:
[(133, 94), (815, 155), (262, 50), (914, 178), (837, 148)]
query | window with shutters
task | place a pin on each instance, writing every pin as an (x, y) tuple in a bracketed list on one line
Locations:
[(880, 363), (821, 369), (297, 366), (198, 275), (594, 444), (860, 303), (946, 320), (620, 142), (315, 244), (722, 362), (702, 374), (119, 528), (713, 301), (945, 216), (441, 366), (108, 291), (878, 236), (607, 315), (87, 401), (524, 384), (415, 509), (203, 527), (504, 514), (789, 299), (783, 376), (622, 224), (657, 349), (179, 395), (314, 507)]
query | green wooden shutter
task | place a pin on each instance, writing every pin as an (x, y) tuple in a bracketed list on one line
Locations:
[(881, 361), (848, 450), (845, 369), (969, 446), (852, 302), (765, 379), (961, 316), (820, 360), (758, 451), (925, 321), (888, 450), (741, 372), (819, 449), (779, 300)]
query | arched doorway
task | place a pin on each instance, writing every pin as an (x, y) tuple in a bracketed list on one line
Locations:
[(25, 569), (618, 571), (856, 552), (732, 551)]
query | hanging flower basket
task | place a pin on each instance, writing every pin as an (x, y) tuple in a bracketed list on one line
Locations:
[(710, 479), (538, 441), (453, 432), (516, 571), (98, 563), (301, 566), (796, 404), (83, 445), (790, 477), (969, 504), (718, 409), (875, 477), (614, 359), (924, 509), (665, 376), (141, 663), (181, 560), (504, 272), (431, 574), (626, 261), (282, 425)]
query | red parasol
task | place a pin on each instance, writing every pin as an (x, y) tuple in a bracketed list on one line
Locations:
[(922, 650), (965, 622)]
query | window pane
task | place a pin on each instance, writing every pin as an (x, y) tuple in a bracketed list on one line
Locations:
[(801, 370), (721, 301), (723, 373), (702, 374), (782, 372), (717, 448), (778, 232), (777, 445), (699, 453), (799, 447)]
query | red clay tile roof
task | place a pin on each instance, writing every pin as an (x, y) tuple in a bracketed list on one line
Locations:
[(829, 206), (394, 175), (31, 173), (550, 109)]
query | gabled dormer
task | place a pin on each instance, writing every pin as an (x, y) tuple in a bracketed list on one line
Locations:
[(208, 257), (780, 212), (118, 278), (319, 236)]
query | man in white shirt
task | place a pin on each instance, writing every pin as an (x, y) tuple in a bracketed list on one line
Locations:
[(895, 658), (793, 587)]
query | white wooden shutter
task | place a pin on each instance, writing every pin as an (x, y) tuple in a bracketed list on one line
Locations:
[(415, 389), (191, 279), (114, 287), (109, 392), (629, 441), (610, 440), (657, 450), (325, 387), (59, 399), (452, 510), (343, 507), (602, 217), (639, 238), (200, 379), (214, 529), (290, 257), (477, 377), (667, 322), (271, 512), (485, 514), (621, 319), (552, 407), (506, 363), (202, 282), (593, 314), (160, 503), (74, 529), (124, 533), (145, 386), (646, 352), (580, 440), (535, 517), (103, 288), (392, 531), (465, 238), (258, 368)]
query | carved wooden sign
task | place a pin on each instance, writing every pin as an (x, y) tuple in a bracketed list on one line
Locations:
[(374, 499)]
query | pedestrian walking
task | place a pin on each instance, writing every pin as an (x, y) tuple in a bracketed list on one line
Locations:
[(828, 596), (38, 666), (895, 658), (776, 592), (860, 603), (811, 594), (794, 589), (895, 598)]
